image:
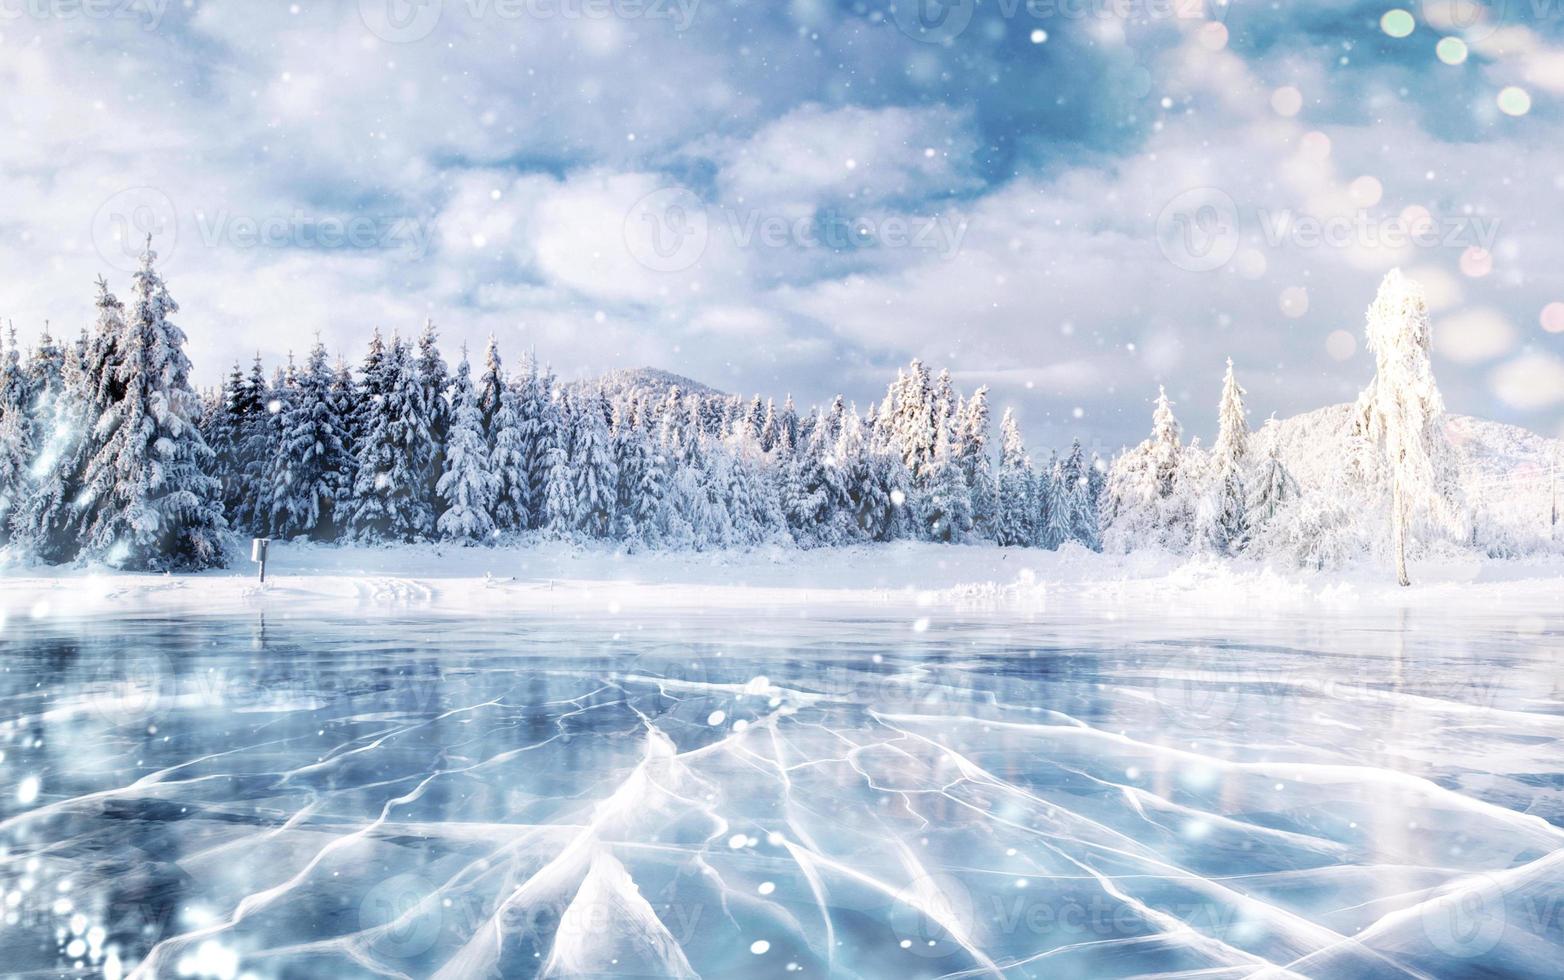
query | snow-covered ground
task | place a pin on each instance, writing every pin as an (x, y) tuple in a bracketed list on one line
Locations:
[(551, 576)]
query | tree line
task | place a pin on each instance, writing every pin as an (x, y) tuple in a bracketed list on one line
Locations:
[(108, 453)]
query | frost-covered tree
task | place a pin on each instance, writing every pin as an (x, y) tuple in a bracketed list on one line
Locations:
[(1075, 496), (1143, 506), (508, 463), (1014, 514), (807, 493), (155, 504), (1228, 523), (389, 493), (467, 487), (1401, 414), (1274, 488), (277, 483), (639, 500), (972, 454), (315, 467), (48, 518), (543, 429), (593, 467), (945, 505), (1164, 443), (434, 381), (16, 432), (252, 422)]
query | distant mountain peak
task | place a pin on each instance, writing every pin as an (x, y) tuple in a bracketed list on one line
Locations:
[(648, 380)]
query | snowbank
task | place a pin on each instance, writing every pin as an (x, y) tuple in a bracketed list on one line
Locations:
[(556, 577)]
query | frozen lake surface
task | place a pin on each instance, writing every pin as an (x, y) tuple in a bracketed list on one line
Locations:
[(1086, 794)]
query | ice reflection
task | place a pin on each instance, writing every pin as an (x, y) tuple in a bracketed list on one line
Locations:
[(1054, 796)]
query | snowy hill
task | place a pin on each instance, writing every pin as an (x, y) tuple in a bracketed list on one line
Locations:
[(1504, 470), (648, 381)]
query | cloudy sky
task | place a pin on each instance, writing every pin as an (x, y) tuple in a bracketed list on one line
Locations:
[(1069, 200)]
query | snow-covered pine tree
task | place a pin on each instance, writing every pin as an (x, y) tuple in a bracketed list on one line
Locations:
[(44, 370), (1060, 506), (787, 427), (467, 487), (1229, 524), (972, 453), (16, 429), (1014, 524), (277, 484), (1076, 494), (914, 419), (1138, 494), (508, 463), (559, 493), (750, 499), (247, 507), (593, 467), (755, 418), (434, 380), (389, 495), (1400, 415), (221, 433), (806, 494), (156, 507), (316, 466), (47, 523), (542, 429), (770, 428), (1164, 443), (632, 452), (946, 506), (490, 386), (1274, 489)]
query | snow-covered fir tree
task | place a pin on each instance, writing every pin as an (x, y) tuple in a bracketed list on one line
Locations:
[(434, 380), (593, 467), (944, 503), (467, 486), (252, 423), (389, 493), (155, 506), (315, 469), (1228, 522), (1014, 518), (973, 455)]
